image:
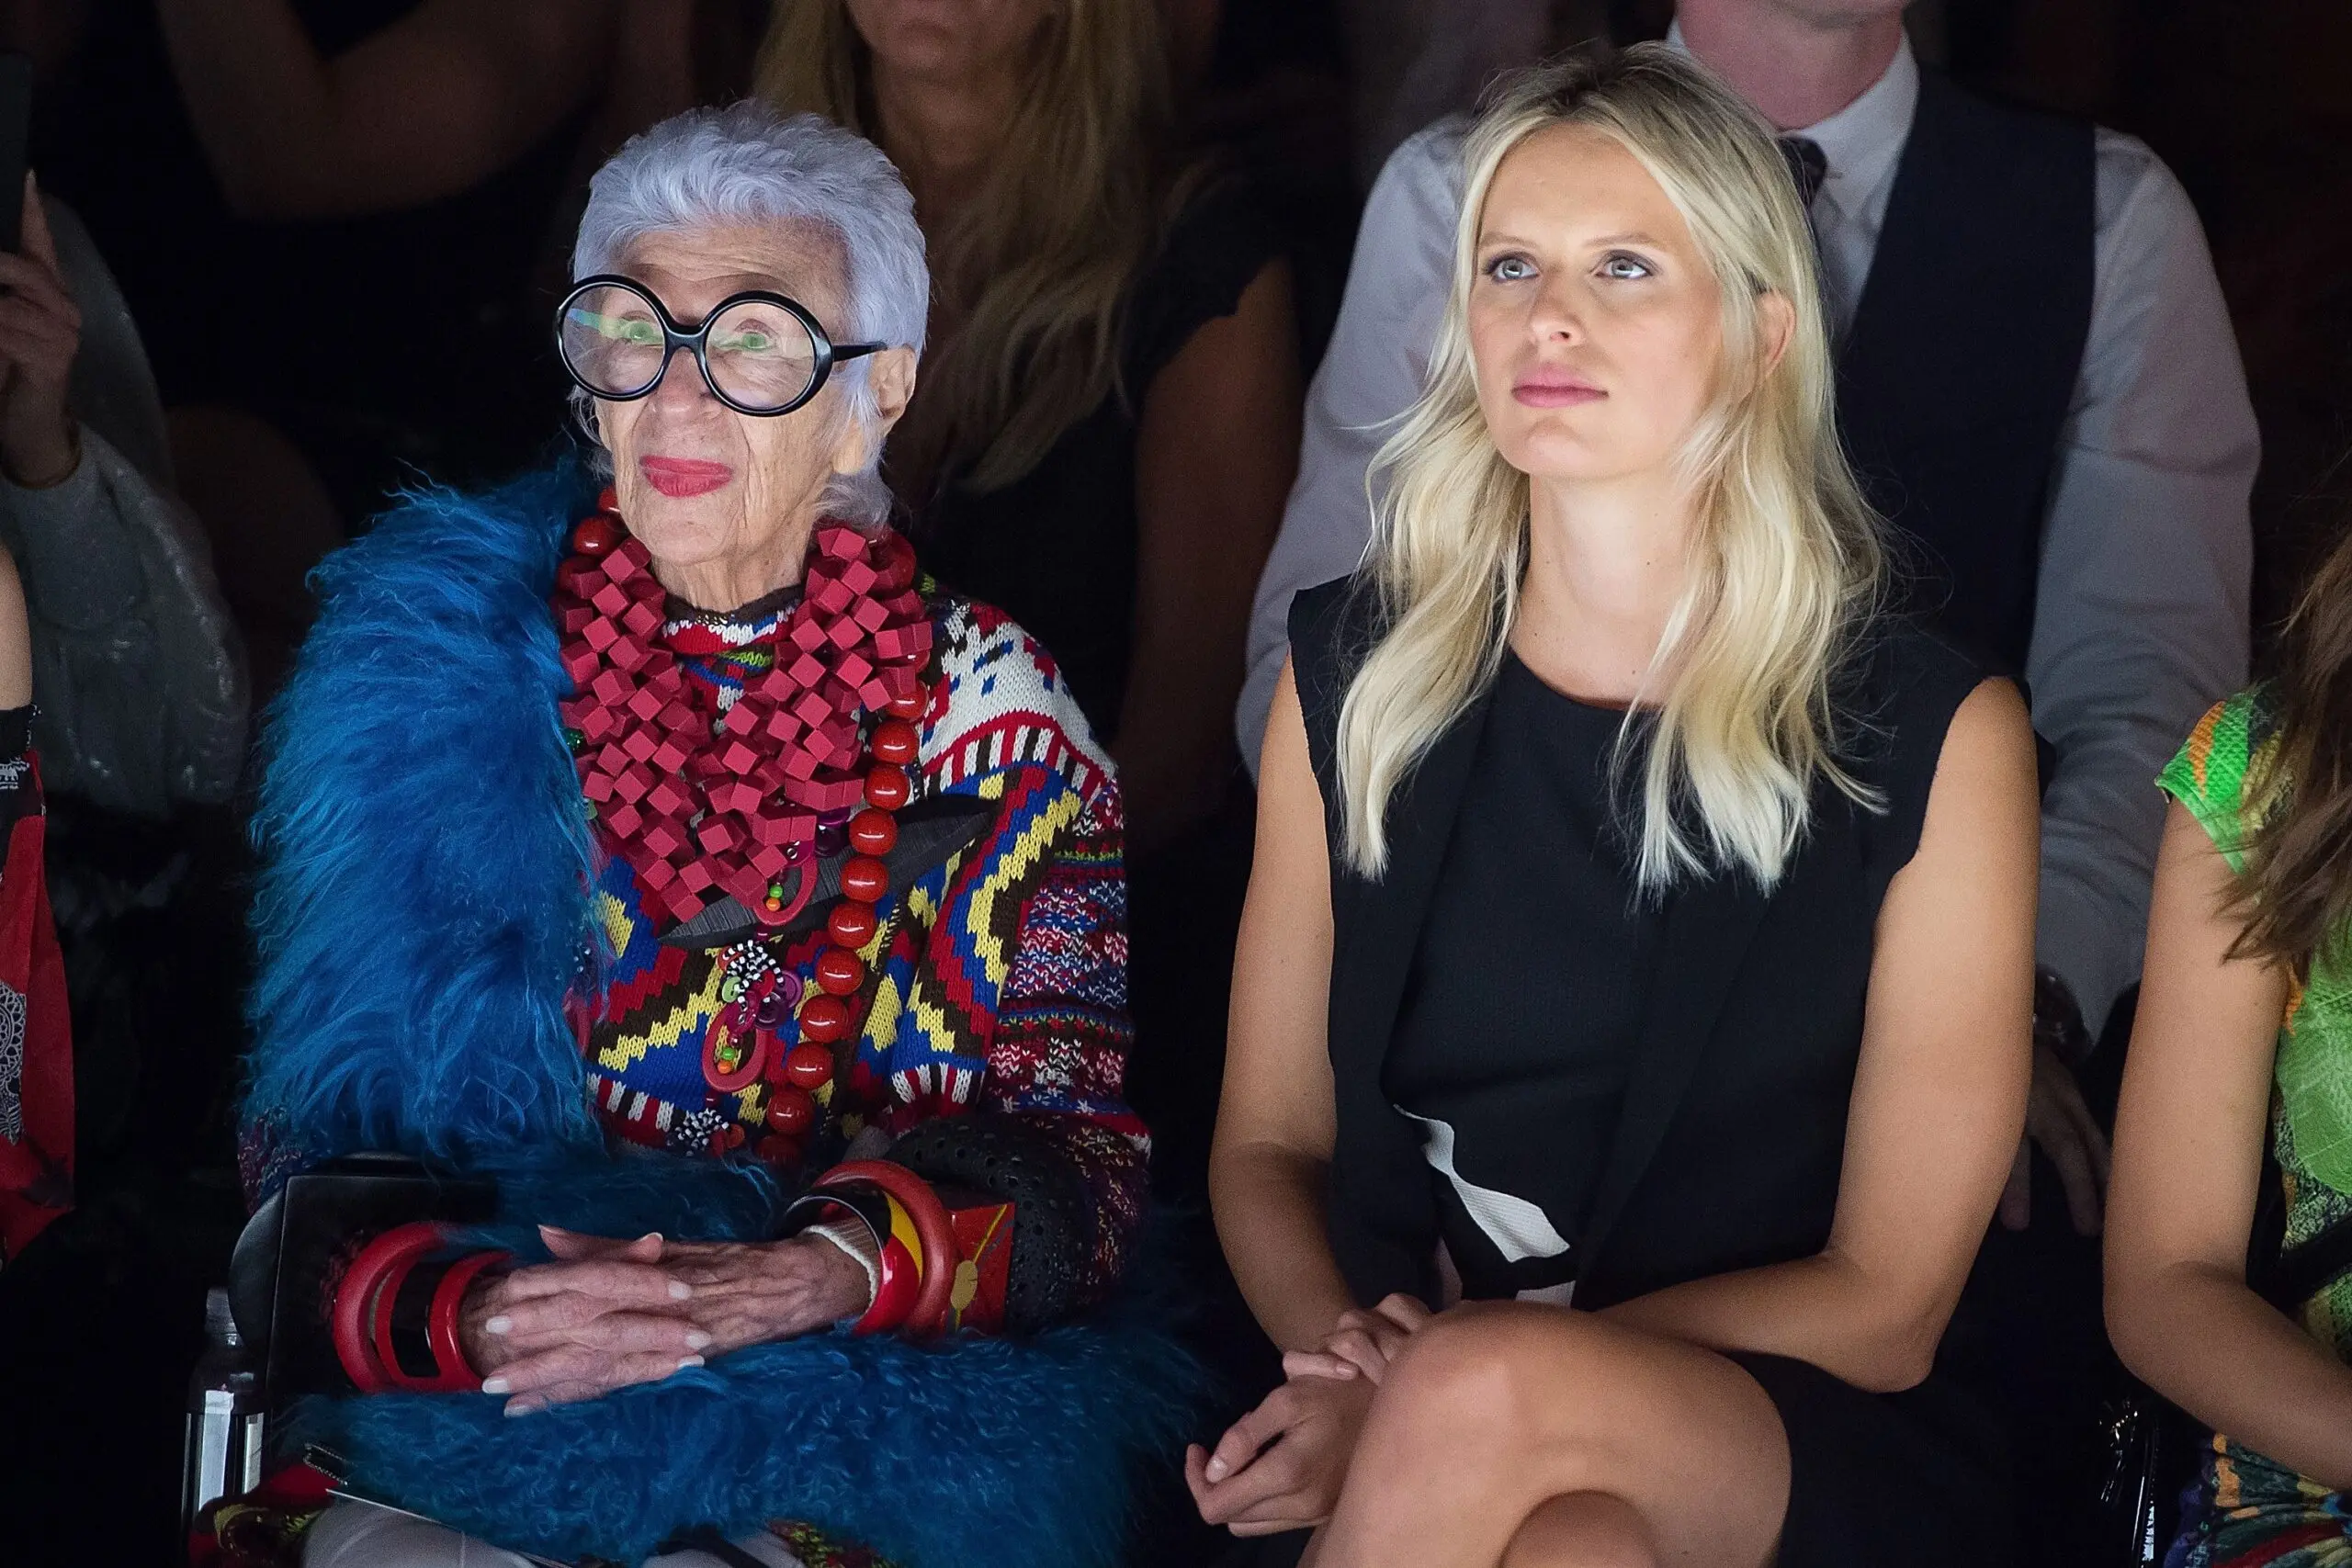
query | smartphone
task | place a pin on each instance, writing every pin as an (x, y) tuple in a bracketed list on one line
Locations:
[(16, 122)]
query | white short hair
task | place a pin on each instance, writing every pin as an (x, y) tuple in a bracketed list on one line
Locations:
[(747, 164)]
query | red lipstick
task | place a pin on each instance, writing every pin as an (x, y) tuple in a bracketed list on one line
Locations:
[(683, 477), (1548, 389)]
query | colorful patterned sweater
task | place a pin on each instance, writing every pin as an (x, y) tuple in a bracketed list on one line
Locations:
[(2244, 1509), (995, 1032)]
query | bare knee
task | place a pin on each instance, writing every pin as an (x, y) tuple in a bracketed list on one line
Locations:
[(1476, 1379), (1583, 1530)]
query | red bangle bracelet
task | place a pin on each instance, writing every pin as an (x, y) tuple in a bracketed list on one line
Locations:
[(932, 1229), (456, 1374), (361, 1318), (901, 1276), (354, 1316)]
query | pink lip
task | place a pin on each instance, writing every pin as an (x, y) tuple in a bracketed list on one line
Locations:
[(1554, 390), (684, 476)]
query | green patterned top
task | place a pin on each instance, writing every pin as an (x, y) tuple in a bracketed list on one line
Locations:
[(2311, 1111)]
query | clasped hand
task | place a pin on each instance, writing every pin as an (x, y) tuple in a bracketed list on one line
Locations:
[(607, 1314), (1279, 1467)]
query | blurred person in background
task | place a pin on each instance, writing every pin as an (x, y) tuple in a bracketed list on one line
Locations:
[(1106, 427), (139, 694), (140, 684), (1109, 425), (121, 669)]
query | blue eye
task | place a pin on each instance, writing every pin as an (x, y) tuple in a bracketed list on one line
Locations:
[(1623, 266), (1511, 269)]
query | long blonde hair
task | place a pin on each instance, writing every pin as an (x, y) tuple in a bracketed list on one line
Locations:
[(1786, 558), (1032, 276)]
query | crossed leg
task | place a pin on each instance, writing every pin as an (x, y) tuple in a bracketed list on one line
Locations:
[(1531, 1437)]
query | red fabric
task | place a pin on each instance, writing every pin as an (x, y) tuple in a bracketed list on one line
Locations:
[(2279, 1546), (37, 1166)]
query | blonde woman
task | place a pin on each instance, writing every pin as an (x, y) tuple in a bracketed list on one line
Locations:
[(1109, 422), (1638, 951)]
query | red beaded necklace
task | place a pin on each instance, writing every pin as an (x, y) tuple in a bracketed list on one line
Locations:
[(703, 804)]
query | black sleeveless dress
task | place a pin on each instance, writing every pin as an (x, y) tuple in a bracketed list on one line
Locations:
[(1584, 1093), (1517, 1088)]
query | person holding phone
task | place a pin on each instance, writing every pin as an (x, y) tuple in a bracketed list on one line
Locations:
[(136, 669)]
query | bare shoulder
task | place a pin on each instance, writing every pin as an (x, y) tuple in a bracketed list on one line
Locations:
[(1991, 725), (1984, 791)]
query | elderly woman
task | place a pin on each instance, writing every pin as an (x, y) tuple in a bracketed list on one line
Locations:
[(684, 858)]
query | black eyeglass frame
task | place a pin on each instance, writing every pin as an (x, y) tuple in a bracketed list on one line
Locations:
[(674, 337)]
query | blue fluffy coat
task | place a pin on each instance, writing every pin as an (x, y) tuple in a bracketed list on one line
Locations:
[(421, 913), (422, 916)]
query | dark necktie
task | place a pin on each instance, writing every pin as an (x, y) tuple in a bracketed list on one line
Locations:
[(1808, 165)]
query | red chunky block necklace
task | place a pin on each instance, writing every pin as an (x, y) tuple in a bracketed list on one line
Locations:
[(704, 805)]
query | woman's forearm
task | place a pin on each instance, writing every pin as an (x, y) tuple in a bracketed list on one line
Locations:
[(1268, 1204), (2198, 1336), (1822, 1308)]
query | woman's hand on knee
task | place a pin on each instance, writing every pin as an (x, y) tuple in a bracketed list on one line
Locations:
[(1364, 1343), (601, 1316), (1279, 1467)]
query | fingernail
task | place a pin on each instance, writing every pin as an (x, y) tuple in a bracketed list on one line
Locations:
[(686, 1361), (650, 1235), (680, 1290), (520, 1407), (1216, 1469), (696, 1339), (497, 1386), (499, 1324)]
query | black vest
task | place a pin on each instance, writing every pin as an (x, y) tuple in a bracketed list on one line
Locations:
[(1956, 379)]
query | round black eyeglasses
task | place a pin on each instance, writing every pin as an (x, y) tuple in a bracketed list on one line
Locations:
[(760, 352)]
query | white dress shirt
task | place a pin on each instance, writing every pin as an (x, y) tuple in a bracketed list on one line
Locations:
[(2146, 553)]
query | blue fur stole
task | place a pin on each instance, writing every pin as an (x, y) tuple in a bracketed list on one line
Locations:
[(421, 917)]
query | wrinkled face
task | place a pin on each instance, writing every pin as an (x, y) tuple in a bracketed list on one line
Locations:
[(954, 39), (699, 482), (1596, 327)]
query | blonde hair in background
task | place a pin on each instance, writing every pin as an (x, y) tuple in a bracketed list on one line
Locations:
[(1786, 558), (1032, 276)]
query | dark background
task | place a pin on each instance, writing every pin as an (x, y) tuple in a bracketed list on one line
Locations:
[(2249, 102)]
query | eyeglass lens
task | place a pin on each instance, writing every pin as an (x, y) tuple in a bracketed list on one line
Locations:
[(760, 354)]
